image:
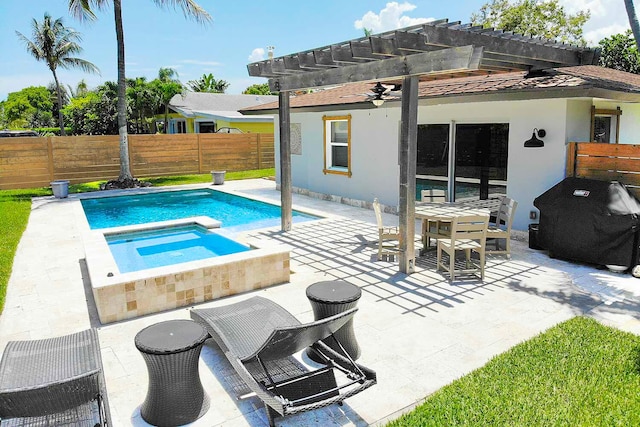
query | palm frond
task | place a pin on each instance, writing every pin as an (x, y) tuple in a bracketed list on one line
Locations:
[(83, 10), (190, 9), (82, 64), (31, 47)]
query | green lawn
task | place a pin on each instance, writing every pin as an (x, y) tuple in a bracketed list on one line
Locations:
[(15, 206), (578, 373)]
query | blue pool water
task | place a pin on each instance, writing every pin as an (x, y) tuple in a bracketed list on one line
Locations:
[(234, 212), (149, 249)]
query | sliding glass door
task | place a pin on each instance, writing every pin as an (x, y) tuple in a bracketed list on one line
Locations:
[(433, 156), (481, 160), (477, 170)]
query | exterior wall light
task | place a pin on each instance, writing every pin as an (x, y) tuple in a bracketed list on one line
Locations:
[(535, 142)]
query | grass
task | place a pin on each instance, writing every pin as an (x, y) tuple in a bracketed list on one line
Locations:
[(578, 373), (203, 178), (15, 207)]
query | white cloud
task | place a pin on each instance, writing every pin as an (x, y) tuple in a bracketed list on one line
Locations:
[(594, 36), (390, 18), (257, 54), (607, 17), (198, 62)]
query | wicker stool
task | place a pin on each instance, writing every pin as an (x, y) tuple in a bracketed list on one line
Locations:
[(333, 297), (171, 351)]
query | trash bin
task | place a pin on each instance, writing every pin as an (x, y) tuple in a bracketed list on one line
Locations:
[(218, 177), (60, 189), (533, 237)]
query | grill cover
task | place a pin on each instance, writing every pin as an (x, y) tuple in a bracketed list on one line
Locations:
[(590, 221)]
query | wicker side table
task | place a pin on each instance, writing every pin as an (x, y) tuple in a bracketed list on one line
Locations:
[(333, 297), (171, 351)]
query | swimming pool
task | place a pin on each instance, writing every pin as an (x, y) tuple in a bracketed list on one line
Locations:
[(156, 248), (234, 212)]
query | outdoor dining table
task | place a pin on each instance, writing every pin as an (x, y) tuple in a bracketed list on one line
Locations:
[(445, 212)]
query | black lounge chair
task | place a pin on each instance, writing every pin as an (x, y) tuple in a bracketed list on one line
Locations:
[(54, 381), (259, 337)]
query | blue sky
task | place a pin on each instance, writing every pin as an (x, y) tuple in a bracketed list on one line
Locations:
[(240, 30)]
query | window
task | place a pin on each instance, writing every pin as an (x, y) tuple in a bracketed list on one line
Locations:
[(337, 145), (178, 126), (605, 125), (206, 127)]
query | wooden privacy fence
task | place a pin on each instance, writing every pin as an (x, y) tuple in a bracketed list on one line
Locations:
[(34, 162), (607, 162)]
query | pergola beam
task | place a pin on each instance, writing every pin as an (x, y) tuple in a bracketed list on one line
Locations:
[(465, 58)]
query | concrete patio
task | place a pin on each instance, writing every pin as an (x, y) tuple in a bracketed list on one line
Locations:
[(418, 332)]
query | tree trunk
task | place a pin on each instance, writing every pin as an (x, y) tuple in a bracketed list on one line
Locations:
[(125, 170), (59, 93), (633, 21), (166, 118)]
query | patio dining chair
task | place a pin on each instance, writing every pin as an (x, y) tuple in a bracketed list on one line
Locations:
[(468, 234), (433, 229), (385, 234), (54, 381), (259, 339), (501, 229)]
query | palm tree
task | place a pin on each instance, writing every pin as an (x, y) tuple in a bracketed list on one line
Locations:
[(56, 44), (81, 89), (83, 9), (633, 21), (167, 86), (207, 83)]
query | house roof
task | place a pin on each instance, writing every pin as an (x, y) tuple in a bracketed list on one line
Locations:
[(579, 77), (220, 105)]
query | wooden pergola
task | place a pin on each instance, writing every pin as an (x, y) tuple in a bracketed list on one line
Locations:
[(435, 50)]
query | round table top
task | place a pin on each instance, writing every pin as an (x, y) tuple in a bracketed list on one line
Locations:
[(171, 336), (333, 292)]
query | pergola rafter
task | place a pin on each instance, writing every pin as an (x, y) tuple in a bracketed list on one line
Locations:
[(503, 51), (435, 50)]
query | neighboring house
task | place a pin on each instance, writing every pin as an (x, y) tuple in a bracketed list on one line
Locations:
[(471, 134), (201, 112)]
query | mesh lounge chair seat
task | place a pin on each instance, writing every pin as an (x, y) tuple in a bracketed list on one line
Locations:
[(54, 382), (258, 334)]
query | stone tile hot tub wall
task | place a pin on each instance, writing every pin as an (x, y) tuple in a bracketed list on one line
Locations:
[(124, 296)]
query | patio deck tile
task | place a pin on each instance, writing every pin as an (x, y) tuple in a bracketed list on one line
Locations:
[(418, 332)]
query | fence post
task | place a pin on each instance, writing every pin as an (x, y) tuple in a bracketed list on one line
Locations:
[(572, 150), (50, 158), (259, 145)]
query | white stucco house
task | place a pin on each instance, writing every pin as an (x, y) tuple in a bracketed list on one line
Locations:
[(471, 134)]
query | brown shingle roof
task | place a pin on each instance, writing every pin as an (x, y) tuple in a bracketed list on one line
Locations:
[(585, 76)]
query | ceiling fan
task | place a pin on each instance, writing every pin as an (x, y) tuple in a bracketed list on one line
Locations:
[(382, 92)]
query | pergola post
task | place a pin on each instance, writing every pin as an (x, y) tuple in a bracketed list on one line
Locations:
[(408, 155), (285, 159)]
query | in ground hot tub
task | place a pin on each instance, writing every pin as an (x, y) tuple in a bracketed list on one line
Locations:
[(141, 250), (142, 269)]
